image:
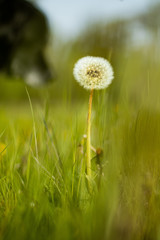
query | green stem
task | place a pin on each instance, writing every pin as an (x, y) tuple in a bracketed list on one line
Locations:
[(88, 147)]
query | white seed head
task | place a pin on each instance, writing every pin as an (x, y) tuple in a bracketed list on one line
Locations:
[(93, 72)]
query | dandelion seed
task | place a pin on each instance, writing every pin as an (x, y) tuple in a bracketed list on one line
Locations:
[(93, 72)]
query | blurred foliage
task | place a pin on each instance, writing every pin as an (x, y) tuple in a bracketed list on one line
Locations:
[(113, 40), (117, 41), (151, 20)]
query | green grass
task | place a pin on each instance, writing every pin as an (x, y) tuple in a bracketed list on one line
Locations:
[(43, 188)]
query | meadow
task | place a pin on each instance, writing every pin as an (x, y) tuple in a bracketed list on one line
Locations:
[(43, 188)]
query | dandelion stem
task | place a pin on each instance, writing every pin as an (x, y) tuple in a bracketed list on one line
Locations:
[(88, 150)]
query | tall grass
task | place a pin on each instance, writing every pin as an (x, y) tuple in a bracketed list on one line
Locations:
[(43, 189)]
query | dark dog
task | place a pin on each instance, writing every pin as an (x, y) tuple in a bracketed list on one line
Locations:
[(23, 37)]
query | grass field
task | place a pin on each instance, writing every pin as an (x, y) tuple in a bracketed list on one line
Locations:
[(43, 190)]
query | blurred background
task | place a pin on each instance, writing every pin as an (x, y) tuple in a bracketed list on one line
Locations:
[(126, 32)]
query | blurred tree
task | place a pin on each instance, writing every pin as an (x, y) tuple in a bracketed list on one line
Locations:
[(104, 40), (151, 19)]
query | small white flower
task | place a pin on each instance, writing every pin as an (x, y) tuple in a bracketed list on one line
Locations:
[(93, 72)]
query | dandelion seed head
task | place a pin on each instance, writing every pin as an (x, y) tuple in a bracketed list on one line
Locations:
[(93, 72)]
